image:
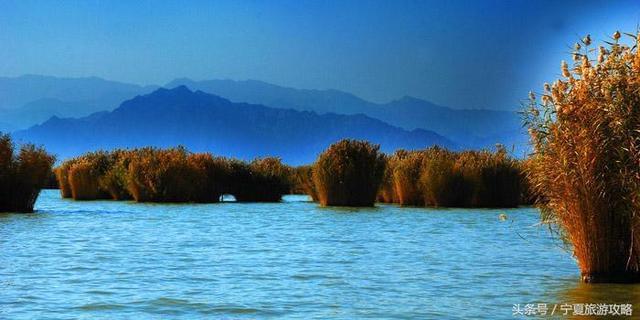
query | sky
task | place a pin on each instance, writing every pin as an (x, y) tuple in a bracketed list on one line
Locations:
[(462, 54)]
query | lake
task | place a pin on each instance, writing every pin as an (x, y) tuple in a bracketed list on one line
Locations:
[(106, 259)]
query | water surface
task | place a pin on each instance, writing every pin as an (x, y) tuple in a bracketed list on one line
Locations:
[(106, 259)]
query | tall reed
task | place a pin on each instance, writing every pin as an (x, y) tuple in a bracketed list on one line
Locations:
[(213, 177), (442, 181), (115, 178), (349, 173), (406, 176), (263, 180), (585, 166), (62, 175), (388, 192), (303, 181), (162, 176), (22, 175), (85, 174)]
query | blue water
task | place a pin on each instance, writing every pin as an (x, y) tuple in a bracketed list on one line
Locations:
[(123, 260)]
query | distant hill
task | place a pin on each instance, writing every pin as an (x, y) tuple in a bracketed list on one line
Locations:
[(206, 122), (31, 99), (471, 128)]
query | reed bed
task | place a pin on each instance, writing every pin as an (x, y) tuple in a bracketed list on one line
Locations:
[(114, 180), (585, 130), (388, 193), (157, 175), (405, 176), (85, 174), (62, 175), (441, 179), (349, 173), (437, 177), (262, 180), (171, 175), (22, 175)]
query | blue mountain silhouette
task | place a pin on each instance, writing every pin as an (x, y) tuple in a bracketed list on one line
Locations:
[(206, 122)]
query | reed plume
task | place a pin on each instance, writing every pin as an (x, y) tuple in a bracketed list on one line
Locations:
[(586, 161)]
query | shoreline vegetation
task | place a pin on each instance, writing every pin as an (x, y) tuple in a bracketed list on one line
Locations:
[(349, 173)]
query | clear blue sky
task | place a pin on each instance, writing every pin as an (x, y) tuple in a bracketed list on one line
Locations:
[(457, 53)]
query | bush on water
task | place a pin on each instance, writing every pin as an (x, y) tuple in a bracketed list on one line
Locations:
[(157, 175), (22, 175), (85, 174), (262, 180), (349, 173), (441, 181), (171, 175), (213, 177)]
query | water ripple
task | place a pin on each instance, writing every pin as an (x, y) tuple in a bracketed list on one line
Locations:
[(106, 259)]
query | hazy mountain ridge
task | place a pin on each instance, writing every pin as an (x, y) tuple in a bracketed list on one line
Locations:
[(472, 128), (77, 97), (32, 99), (205, 122)]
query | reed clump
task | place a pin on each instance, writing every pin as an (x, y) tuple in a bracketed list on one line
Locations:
[(585, 167), (441, 179), (85, 173), (388, 192), (213, 177), (262, 180), (303, 182), (157, 175), (406, 175), (22, 175), (62, 175), (349, 173), (171, 175), (115, 179)]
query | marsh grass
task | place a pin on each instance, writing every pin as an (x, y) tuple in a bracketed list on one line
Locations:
[(349, 173), (441, 178), (303, 182), (115, 179), (85, 173), (62, 175), (388, 192), (405, 176), (157, 175), (171, 175), (585, 130), (442, 181), (213, 177), (22, 175), (262, 180)]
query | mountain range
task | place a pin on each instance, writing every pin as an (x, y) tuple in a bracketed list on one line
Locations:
[(206, 122), (469, 128), (32, 99)]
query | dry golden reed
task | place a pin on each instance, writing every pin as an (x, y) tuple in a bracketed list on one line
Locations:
[(585, 168), (303, 182), (349, 173), (171, 175), (22, 175)]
